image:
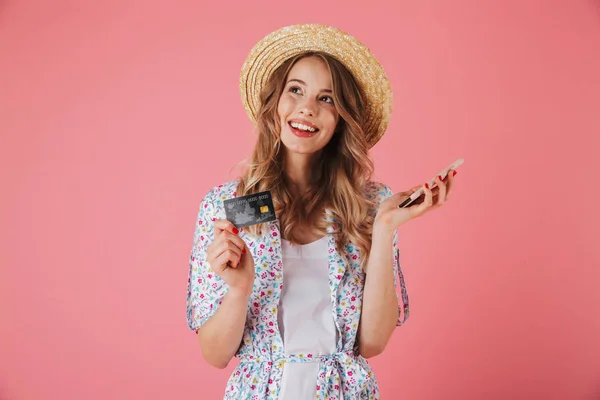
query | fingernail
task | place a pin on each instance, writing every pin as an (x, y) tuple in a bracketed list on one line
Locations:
[(453, 173), (235, 230), (243, 251), (440, 178), (427, 185)]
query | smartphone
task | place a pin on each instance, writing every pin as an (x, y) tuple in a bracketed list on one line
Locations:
[(431, 183)]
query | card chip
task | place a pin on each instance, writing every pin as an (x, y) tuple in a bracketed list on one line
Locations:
[(264, 209)]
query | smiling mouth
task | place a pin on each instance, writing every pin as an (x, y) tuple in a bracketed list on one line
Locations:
[(302, 130)]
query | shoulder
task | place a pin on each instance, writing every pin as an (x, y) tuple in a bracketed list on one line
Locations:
[(221, 192), (211, 206), (210, 209), (378, 192)]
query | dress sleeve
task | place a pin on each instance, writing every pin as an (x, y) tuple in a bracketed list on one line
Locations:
[(403, 305), (205, 289)]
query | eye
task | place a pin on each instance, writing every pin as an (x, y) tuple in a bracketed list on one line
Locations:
[(295, 89), (327, 99)]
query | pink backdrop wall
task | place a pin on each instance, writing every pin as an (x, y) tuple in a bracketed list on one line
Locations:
[(116, 118)]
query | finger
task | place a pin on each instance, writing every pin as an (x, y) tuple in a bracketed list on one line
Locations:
[(232, 247), (400, 196), (227, 231), (225, 225), (221, 237), (450, 183), (414, 189), (229, 256), (419, 209), (441, 195), (428, 197), (226, 260), (234, 239)]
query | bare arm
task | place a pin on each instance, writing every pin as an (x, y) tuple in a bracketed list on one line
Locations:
[(380, 304), (227, 256), (221, 335)]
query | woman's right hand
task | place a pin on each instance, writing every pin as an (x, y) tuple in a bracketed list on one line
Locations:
[(229, 257)]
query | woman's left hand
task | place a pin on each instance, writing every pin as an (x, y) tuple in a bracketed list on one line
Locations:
[(389, 216)]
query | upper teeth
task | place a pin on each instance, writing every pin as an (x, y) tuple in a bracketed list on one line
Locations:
[(303, 127)]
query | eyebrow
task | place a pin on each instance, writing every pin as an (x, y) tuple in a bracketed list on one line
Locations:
[(304, 83)]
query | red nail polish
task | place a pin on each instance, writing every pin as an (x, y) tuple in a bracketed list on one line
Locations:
[(453, 173), (440, 178), (243, 251), (235, 230), (427, 185)]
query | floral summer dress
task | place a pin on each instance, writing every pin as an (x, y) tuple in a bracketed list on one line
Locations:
[(261, 352)]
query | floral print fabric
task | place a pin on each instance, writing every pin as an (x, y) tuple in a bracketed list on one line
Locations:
[(261, 352)]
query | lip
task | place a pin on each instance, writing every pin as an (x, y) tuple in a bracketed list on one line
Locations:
[(303, 122), (302, 134)]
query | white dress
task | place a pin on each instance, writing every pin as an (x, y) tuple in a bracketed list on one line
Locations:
[(305, 317)]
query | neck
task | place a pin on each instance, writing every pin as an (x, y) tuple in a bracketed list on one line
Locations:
[(301, 172)]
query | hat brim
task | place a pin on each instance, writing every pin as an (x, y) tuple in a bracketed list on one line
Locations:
[(277, 47)]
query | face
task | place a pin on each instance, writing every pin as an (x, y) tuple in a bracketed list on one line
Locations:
[(306, 111)]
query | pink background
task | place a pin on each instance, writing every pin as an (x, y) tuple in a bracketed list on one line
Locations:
[(117, 117)]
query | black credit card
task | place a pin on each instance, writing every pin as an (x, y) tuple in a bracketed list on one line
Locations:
[(250, 210)]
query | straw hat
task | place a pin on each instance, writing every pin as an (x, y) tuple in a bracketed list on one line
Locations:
[(287, 42)]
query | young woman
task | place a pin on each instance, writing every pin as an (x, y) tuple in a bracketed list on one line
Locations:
[(304, 300)]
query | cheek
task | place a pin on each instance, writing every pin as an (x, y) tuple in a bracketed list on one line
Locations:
[(332, 119), (285, 106)]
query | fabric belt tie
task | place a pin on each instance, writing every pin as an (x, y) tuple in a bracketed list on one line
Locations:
[(338, 370)]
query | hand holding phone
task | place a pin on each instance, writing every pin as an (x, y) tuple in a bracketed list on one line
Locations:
[(431, 183)]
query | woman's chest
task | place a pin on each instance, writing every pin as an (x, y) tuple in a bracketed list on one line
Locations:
[(343, 279)]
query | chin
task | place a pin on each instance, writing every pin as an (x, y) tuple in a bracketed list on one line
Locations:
[(293, 146)]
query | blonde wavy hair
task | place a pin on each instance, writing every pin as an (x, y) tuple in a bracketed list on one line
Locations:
[(345, 166)]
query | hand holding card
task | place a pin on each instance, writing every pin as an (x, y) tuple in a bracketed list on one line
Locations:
[(229, 257)]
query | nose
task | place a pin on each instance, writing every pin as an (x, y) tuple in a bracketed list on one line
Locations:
[(309, 107)]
